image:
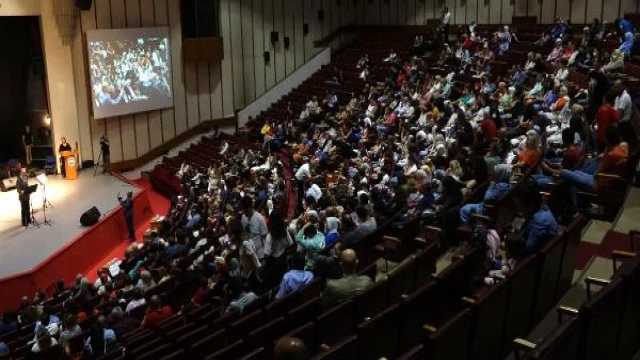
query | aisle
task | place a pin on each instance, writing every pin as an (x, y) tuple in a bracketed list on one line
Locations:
[(159, 205)]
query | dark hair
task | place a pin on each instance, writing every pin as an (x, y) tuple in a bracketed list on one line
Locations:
[(362, 212), (277, 225), (613, 135), (247, 202), (610, 97), (310, 231), (297, 262), (568, 136)]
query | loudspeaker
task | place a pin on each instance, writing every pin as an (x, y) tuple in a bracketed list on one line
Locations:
[(8, 184), (199, 18), (274, 37), (286, 42), (320, 15), (84, 5), (90, 217), (267, 57), (305, 29)]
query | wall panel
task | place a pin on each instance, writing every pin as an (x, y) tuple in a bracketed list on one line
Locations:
[(289, 31), (140, 121), (179, 93), (483, 11), (628, 6), (393, 11), (227, 67), (548, 11), (297, 37), (270, 68), (610, 11), (507, 12), (236, 40), (161, 18), (533, 8), (87, 125), (495, 11), (459, 11), (204, 92), (248, 57), (151, 125), (472, 11), (563, 8), (278, 47), (594, 9), (373, 12)]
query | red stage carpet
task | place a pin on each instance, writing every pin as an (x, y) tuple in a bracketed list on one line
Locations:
[(159, 205)]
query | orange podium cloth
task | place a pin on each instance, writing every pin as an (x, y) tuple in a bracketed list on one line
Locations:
[(70, 164)]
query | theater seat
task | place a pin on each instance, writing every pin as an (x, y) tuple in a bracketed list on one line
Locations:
[(231, 351), (345, 349), (372, 300), (449, 341), (336, 324), (378, 336)]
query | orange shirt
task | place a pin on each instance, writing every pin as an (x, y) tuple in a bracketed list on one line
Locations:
[(529, 157), (613, 162)]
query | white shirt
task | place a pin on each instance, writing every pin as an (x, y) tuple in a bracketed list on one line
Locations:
[(624, 106), (560, 76), (315, 191), (303, 172)]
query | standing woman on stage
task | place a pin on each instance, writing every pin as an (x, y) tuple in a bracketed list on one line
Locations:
[(27, 143), (22, 184), (127, 205), (64, 146)]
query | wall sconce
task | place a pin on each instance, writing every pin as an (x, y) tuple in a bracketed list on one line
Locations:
[(47, 120)]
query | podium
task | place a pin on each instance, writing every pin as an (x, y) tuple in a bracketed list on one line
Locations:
[(70, 160)]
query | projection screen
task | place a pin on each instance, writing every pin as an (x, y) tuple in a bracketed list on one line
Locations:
[(129, 70)]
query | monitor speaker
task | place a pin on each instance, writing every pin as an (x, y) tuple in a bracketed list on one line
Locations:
[(286, 42), (267, 57), (84, 5), (8, 184), (305, 29), (274, 37), (90, 217)]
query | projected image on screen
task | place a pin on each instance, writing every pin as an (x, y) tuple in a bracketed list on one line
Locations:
[(129, 70)]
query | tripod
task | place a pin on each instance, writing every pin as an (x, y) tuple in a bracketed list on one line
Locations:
[(98, 164), (45, 204)]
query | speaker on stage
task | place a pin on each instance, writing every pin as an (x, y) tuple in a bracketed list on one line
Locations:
[(90, 217), (84, 5), (8, 184)]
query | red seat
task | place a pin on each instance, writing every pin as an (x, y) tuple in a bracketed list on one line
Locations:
[(449, 340), (208, 344), (372, 300), (345, 349), (416, 311), (304, 313), (401, 280), (547, 276), (265, 335), (155, 352)]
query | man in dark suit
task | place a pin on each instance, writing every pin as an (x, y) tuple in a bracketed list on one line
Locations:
[(127, 205), (22, 186)]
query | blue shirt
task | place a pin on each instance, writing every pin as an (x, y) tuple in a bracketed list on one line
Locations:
[(293, 281), (542, 228), (496, 190), (193, 220), (52, 320), (626, 26)]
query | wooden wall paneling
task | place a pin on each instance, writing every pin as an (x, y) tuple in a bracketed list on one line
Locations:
[(628, 7), (215, 85), (610, 11), (347, 12), (458, 11), (139, 121), (483, 11), (563, 9), (472, 11), (278, 48), (361, 17), (385, 12), (594, 10), (87, 125), (438, 6), (270, 73), (297, 36), (411, 11), (495, 11), (520, 9), (204, 92), (507, 12), (309, 16), (548, 11), (179, 96), (578, 11), (289, 21), (248, 58), (119, 20), (161, 18), (334, 15), (533, 8), (227, 68), (402, 12), (152, 123), (373, 12), (235, 17), (191, 92), (103, 21), (258, 48)]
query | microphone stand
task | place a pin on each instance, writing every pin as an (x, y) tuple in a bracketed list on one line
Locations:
[(33, 213), (45, 204)]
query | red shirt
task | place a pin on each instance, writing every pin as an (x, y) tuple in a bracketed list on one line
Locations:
[(488, 127), (605, 116), (153, 318), (571, 158)]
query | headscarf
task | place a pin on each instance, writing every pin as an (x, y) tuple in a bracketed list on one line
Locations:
[(625, 48)]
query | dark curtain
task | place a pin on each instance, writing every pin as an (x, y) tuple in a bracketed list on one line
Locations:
[(19, 45)]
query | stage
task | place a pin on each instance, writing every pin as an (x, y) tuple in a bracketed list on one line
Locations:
[(33, 257)]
